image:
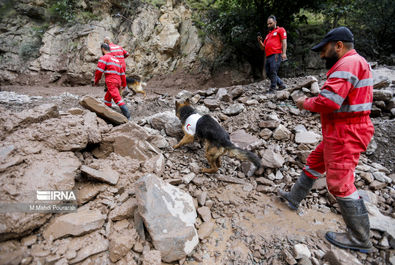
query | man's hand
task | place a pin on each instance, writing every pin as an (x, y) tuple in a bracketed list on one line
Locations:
[(259, 38), (300, 102), (283, 56)]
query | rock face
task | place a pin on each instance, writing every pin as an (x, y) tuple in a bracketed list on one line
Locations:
[(169, 215), (109, 176), (164, 37), (103, 111)]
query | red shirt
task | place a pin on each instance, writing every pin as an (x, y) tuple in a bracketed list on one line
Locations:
[(118, 52), (273, 40), (348, 92), (112, 69)]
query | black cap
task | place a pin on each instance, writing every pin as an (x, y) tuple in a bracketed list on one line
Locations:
[(337, 34)]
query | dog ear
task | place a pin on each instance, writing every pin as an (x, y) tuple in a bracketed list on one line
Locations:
[(177, 104), (187, 102)]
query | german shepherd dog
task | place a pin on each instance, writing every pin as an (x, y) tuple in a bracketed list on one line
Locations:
[(216, 140), (135, 83)]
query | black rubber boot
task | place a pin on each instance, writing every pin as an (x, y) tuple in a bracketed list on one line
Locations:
[(298, 191), (125, 111), (356, 218)]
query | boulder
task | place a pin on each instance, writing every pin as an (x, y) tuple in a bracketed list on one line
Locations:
[(234, 109), (236, 91), (244, 140), (75, 224), (380, 81), (45, 170), (210, 103), (384, 95), (223, 95), (169, 215), (102, 110), (88, 246), (107, 175), (308, 137), (304, 82), (271, 159), (168, 121), (281, 133), (340, 257), (35, 115), (380, 222)]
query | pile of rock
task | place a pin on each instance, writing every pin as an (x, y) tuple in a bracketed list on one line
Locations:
[(141, 202)]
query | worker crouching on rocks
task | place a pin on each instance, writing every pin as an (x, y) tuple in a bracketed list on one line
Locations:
[(115, 78), (344, 103)]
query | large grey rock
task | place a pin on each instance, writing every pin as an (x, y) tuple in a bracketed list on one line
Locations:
[(121, 140), (211, 103), (102, 110), (308, 137), (340, 257), (223, 95), (47, 169), (166, 120), (380, 222), (305, 82), (234, 109), (384, 95), (107, 175), (75, 224), (236, 91), (244, 140), (271, 159), (281, 133), (169, 215)]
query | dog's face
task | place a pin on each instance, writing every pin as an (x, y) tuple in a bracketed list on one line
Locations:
[(179, 105)]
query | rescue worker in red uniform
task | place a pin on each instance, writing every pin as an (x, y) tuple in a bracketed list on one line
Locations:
[(115, 79), (275, 47), (344, 103), (118, 52)]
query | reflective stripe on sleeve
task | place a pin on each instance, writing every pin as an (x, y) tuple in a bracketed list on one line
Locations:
[(118, 56), (352, 79), (119, 102), (356, 107), (117, 50), (101, 70), (332, 96)]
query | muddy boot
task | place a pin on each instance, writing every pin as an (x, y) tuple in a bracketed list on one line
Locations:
[(125, 111), (298, 191), (356, 218)]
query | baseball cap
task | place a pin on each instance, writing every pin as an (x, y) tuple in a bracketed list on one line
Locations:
[(337, 34)]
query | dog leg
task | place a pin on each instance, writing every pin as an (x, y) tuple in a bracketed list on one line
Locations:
[(212, 154), (185, 140)]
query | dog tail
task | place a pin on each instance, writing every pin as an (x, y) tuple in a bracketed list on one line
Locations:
[(244, 155)]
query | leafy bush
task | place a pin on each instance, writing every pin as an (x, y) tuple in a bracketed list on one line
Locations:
[(62, 10)]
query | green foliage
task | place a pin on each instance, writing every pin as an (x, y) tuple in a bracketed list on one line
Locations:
[(157, 3), (371, 21), (30, 49), (62, 10), (6, 8)]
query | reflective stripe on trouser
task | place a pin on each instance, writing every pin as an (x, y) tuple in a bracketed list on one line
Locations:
[(113, 93), (338, 155)]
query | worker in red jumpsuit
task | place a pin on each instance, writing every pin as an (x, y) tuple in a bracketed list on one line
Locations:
[(118, 52), (344, 103), (115, 79)]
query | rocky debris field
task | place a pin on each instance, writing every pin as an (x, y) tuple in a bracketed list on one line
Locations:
[(141, 202)]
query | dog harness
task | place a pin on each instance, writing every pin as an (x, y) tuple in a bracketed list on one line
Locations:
[(190, 123)]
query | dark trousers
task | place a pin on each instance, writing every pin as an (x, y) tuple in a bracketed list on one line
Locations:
[(272, 65)]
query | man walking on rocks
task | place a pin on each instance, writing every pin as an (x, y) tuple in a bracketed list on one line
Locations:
[(275, 47), (344, 103), (115, 78)]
